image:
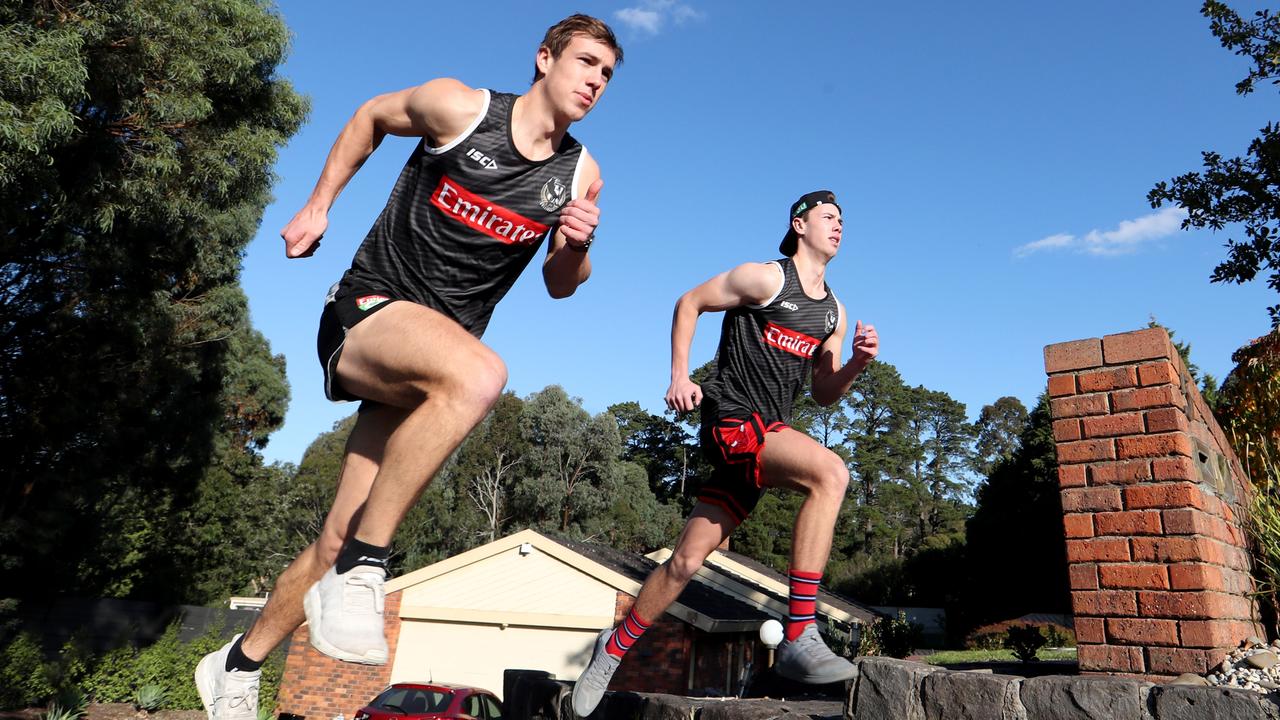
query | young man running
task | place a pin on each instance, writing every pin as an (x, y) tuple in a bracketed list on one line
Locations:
[(782, 321), (493, 177)]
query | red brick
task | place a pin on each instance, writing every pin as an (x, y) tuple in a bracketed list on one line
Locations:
[(1109, 379), (1078, 405), (1071, 476), (1189, 521), (1193, 605), (1141, 631), (1196, 576), (1215, 633), (1083, 576), (1060, 385), (1090, 630), (1143, 398), (1174, 468), (1111, 603), (1134, 577), (1136, 345), (1095, 549), (1113, 425), (1176, 549), (1120, 473), (1110, 658), (1157, 373), (1167, 495), (1078, 525), (1091, 499), (1074, 355), (1086, 451), (1153, 445), (1066, 430), (1166, 420), (1176, 661), (1132, 522)]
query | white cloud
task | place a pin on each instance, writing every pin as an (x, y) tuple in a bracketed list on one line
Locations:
[(1127, 237), (650, 15)]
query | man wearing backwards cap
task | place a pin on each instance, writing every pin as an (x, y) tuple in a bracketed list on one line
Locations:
[(782, 321)]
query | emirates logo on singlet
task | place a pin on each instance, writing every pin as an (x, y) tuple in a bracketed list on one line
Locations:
[(796, 343), (485, 217)]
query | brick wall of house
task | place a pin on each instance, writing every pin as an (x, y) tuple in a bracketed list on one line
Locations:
[(659, 660), (320, 688), (1153, 500)]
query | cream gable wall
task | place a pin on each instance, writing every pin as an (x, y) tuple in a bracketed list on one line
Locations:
[(510, 581)]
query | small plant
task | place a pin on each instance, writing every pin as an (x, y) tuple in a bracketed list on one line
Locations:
[(150, 698), (73, 699), (265, 713), (891, 637), (1024, 641), (57, 712)]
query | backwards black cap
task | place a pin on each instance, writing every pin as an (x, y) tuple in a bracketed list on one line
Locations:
[(804, 204)]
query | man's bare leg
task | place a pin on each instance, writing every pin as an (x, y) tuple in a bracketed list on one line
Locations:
[(283, 612), (793, 460), (797, 462), (707, 527)]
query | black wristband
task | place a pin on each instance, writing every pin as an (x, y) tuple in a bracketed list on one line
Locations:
[(585, 246)]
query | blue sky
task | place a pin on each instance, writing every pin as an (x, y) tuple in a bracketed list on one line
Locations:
[(992, 160)]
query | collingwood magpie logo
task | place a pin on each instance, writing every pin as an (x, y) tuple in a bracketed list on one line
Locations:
[(831, 320), (554, 194)]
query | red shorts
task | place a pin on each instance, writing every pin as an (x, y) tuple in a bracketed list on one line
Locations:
[(733, 448)]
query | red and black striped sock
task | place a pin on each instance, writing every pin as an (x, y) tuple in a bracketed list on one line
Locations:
[(626, 634), (802, 607)]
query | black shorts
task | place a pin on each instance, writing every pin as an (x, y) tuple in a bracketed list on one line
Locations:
[(733, 447), (343, 311)]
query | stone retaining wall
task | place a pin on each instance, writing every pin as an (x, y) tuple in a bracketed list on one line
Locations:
[(887, 689)]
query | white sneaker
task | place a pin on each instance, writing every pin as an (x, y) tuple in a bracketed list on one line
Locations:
[(227, 695), (344, 615)]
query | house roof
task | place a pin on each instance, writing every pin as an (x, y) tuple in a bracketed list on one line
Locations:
[(730, 593), (697, 596)]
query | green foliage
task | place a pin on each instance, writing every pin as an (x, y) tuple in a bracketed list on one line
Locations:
[(136, 141), (114, 676), (72, 698), (1239, 190), (998, 635), (150, 698), (1249, 410), (1015, 552), (890, 637), (1024, 641), (58, 712), (24, 676)]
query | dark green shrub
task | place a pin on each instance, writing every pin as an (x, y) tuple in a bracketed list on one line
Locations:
[(114, 676), (24, 675), (1024, 641), (890, 637)]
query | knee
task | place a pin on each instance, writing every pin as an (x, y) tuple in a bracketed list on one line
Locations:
[(833, 477), (477, 383), (683, 566)]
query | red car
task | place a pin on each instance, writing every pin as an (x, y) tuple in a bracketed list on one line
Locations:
[(438, 701)]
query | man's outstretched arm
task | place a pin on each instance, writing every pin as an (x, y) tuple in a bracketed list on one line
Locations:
[(439, 110), (749, 284)]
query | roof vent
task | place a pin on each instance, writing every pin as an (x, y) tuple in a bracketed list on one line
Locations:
[(526, 548)]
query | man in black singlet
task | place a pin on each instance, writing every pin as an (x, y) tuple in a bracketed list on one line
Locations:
[(782, 322), (494, 177)]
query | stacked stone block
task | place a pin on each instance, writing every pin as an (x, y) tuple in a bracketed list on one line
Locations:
[(1153, 500)]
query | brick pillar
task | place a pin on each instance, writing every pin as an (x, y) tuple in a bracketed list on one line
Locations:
[(320, 688), (1153, 500)]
